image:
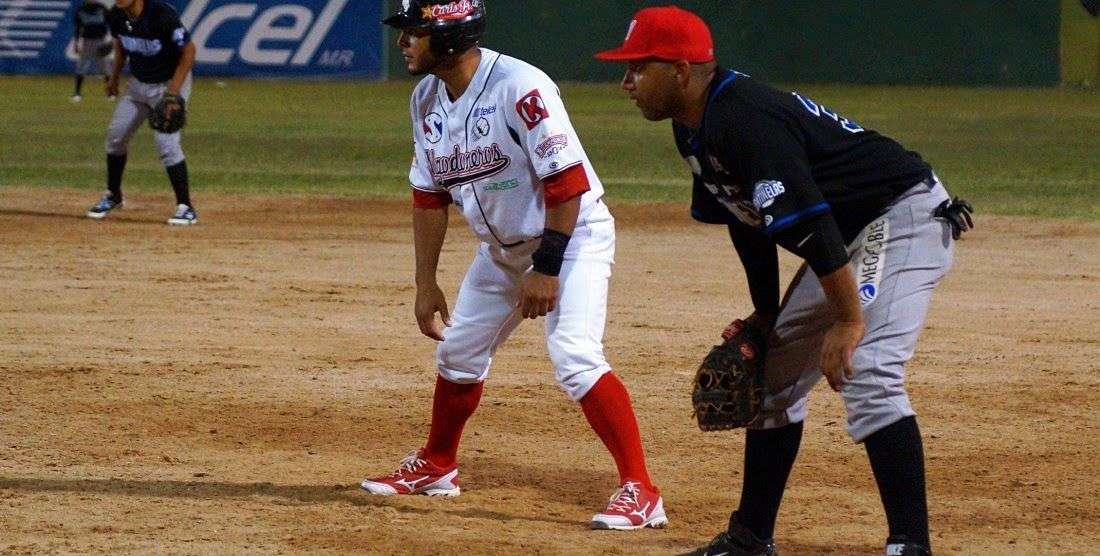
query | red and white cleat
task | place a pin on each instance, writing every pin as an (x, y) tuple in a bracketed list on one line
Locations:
[(415, 475), (632, 507)]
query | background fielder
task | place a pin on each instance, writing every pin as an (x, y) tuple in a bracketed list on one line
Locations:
[(875, 227), (491, 134), (161, 55), (90, 43)]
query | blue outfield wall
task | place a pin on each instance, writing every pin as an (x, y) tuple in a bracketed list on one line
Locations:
[(255, 38)]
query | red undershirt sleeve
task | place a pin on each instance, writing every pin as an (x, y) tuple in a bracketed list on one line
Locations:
[(431, 200), (565, 185)]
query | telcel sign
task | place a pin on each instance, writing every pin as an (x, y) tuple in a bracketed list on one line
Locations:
[(257, 37)]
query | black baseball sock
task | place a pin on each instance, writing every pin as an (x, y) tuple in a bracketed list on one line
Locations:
[(177, 174), (769, 456), (116, 163), (79, 84), (897, 459)]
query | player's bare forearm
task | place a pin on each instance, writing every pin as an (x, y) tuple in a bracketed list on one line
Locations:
[(119, 61), (429, 230), (846, 332), (840, 290), (563, 218), (187, 61), (539, 289)]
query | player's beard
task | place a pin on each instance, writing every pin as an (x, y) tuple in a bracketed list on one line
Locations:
[(427, 64)]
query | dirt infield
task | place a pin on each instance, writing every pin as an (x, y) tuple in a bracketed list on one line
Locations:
[(222, 389)]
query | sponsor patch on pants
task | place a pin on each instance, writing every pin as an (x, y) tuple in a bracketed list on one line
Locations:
[(871, 259)]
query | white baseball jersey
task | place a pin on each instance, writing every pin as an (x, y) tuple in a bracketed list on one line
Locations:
[(491, 148)]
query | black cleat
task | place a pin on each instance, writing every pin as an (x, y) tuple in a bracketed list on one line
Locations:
[(737, 541), (899, 545), (104, 206)]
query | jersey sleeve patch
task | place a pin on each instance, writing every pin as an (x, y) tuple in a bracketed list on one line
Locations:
[(532, 109), (552, 145), (180, 37), (765, 192)]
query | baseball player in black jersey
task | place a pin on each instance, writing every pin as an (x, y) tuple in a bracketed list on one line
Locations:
[(874, 226), (148, 33), (89, 43)]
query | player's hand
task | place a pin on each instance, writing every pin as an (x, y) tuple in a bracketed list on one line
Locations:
[(429, 301), (170, 109), (762, 321), (836, 352), (538, 294), (112, 86)]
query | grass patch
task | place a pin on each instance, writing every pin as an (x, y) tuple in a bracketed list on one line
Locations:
[(1011, 151)]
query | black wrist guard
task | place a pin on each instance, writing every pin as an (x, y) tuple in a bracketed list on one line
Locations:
[(547, 259)]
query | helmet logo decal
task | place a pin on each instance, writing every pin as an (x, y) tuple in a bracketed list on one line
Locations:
[(532, 109), (458, 9)]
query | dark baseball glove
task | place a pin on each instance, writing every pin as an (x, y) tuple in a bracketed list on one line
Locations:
[(957, 213), (170, 114), (729, 386)]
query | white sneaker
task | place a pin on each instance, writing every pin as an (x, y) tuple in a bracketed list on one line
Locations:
[(184, 216), (76, 98)]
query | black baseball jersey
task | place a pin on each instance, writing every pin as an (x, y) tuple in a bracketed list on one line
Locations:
[(771, 159), (90, 21), (153, 42)]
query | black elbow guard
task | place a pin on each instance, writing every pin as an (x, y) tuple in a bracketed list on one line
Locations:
[(818, 241)]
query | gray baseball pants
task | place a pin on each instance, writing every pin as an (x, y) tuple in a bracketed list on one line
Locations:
[(90, 62), (133, 110), (898, 259)]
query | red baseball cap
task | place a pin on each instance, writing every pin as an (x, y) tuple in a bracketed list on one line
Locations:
[(666, 33)]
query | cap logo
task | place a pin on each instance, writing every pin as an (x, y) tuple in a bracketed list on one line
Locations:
[(630, 30), (447, 12)]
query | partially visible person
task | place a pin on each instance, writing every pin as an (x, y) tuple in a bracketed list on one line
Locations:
[(90, 43)]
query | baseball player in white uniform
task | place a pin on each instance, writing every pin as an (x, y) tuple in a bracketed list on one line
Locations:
[(491, 135)]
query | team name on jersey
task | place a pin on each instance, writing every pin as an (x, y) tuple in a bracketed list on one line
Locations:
[(823, 112), (461, 167), (145, 47)]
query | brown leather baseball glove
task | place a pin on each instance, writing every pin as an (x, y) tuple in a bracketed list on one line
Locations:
[(170, 114), (729, 386)]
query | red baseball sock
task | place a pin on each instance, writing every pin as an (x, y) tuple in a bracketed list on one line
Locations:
[(453, 404), (608, 409)]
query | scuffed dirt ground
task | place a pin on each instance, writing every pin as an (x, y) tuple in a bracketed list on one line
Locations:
[(222, 389)]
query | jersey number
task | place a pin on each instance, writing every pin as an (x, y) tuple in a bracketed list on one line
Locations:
[(823, 112)]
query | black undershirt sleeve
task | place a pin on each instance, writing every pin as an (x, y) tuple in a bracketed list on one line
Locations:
[(818, 241), (761, 261)]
